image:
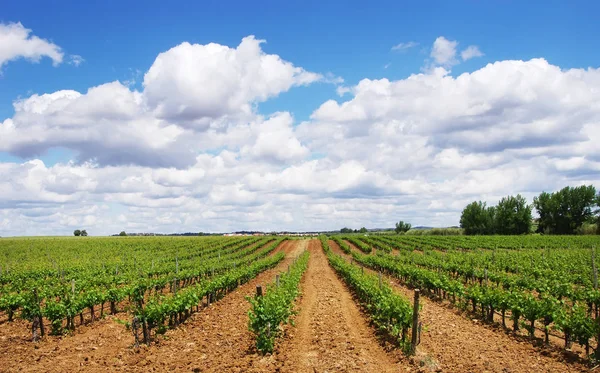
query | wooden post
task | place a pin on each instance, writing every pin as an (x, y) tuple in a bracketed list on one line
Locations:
[(415, 324), (380, 283), (288, 270), (135, 326), (259, 291), (594, 268), (277, 280)]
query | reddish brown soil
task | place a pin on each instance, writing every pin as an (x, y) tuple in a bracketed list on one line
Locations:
[(451, 342), (215, 339), (331, 334)]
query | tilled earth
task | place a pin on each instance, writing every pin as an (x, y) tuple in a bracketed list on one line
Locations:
[(331, 334)]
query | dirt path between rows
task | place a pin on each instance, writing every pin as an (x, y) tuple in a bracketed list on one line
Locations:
[(216, 339), (451, 342), (331, 334)]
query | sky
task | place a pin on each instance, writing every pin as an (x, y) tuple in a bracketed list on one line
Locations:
[(214, 116)]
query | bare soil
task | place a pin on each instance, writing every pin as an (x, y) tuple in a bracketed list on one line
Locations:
[(212, 340), (451, 342), (331, 333)]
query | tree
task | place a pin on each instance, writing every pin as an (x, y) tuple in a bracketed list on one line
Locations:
[(363, 230), (123, 233), (565, 211), (477, 218), (597, 212), (77, 232), (512, 216), (401, 226), (346, 230), (84, 233)]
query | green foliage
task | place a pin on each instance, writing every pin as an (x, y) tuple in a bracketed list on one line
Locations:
[(365, 248), (110, 270), (402, 227), (391, 313), (346, 230), (275, 307), (565, 211), (123, 233), (363, 230), (84, 233), (342, 244), (544, 280), (512, 216), (436, 232), (476, 218), (77, 232)]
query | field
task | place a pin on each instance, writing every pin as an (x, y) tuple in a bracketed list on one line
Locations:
[(189, 304)]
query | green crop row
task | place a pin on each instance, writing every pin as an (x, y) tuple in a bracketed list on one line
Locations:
[(390, 313), (274, 308)]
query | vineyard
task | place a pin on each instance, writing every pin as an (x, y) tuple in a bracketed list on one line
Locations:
[(338, 303)]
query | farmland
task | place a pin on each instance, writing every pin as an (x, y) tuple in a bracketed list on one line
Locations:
[(522, 303)]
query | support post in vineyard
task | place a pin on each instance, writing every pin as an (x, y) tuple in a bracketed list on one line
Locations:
[(135, 328), (259, 291), (277, 280), (380, 282), (415, 324), (594, 268)]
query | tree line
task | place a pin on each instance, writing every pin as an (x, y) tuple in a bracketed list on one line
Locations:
[(561, 212)]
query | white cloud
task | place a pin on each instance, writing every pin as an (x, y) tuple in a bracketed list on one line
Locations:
[(195, 84), (196, 98), (472, 51), (417, 149), (16, 42), (443, 51), (404, 46), (75, 60)]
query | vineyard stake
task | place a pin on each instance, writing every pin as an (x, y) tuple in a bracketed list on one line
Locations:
[(259, 291), (415, 324), (594, 268), (380, 284), (277, 280)]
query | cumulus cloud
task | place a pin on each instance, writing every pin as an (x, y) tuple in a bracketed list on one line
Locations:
[(505, 105), (417, 149), (472, 51), (107, 124), (188, 90), (443, 51), (16, 41), (195, 83)]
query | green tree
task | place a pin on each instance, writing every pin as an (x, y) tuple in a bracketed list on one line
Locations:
[(77, 232), (84, 233), (401, 226), (346, 230), (597, 212), (123, 233), (363, 230), (477, 218), (565, 211), (512, 216)]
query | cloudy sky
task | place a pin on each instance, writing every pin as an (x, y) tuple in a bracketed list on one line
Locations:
[(228, 116)]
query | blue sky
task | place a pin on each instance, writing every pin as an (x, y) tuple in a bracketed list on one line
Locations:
[(339, 41)]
